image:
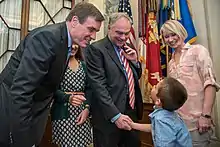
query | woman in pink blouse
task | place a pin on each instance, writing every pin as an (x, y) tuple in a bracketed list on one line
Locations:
[(192, 66)]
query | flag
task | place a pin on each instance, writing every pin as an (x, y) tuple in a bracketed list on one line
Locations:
[(150, 51), (124, 6), (153, 50), (187, 22)]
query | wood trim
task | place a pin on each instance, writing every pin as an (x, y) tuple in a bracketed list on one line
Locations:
[(148, 106), (25, 10)]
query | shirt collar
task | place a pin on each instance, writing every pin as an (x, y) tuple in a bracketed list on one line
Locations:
[(155, 111), (118, 49), (161, 111), (69, 38), (187, 46)]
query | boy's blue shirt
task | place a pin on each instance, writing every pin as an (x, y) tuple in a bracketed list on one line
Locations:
[(169, 130)]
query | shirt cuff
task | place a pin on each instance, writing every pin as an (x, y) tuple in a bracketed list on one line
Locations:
[(115, 117), (211, 80), (137, 64)]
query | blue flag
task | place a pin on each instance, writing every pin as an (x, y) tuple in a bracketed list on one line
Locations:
[(187, 22)]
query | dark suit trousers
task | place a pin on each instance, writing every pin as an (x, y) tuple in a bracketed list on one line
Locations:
[(118, 138), (4, 116)]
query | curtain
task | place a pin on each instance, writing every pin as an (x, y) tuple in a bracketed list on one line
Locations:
[(10, 24)]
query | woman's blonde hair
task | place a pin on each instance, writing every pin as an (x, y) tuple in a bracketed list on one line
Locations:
[(173, 26)]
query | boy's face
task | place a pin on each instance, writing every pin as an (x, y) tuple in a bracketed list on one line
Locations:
[(154, 92)]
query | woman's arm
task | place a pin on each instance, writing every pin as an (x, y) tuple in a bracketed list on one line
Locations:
[(205, 66), (206, 72), (61, 97)]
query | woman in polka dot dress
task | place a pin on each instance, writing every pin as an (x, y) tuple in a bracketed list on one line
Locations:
[(70, 124)]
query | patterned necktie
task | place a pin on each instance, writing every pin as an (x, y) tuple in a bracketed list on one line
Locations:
[(130, 79)]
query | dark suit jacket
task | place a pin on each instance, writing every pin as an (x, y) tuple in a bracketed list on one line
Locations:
[(28, 82), (109, 84)]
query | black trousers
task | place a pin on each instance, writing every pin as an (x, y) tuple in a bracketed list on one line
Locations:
[(118, 138)]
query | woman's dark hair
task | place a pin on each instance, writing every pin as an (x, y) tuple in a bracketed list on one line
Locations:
[(79, 55)]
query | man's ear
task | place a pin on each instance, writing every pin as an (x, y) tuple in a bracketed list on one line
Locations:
[(158, 102), (74, 21), (108, 27)]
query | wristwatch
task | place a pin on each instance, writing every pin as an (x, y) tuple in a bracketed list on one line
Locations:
[(206, 116)]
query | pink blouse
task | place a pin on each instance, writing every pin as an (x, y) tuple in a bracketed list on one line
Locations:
[(195, 72)]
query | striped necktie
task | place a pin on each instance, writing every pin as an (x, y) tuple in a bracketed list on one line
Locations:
[(130, 79)]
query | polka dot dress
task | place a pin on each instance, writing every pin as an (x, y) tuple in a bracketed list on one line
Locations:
[(65, 132)]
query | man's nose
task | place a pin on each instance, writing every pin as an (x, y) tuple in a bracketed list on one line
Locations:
[(123, 37), (93, 35)]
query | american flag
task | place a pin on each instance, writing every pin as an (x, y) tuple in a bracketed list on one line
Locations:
[(124, 6)]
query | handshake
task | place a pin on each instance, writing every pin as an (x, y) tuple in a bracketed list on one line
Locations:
[(124, 122)]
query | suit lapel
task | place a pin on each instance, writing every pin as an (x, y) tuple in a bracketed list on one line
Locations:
[(113, 54), (63, 51), (64, 39)]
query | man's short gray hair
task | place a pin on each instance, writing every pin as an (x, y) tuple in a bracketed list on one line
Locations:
[(116, 16)]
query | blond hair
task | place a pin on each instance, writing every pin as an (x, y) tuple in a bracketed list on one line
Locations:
[(173, 26)]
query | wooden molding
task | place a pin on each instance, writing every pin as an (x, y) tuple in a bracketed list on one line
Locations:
[(25, 10)]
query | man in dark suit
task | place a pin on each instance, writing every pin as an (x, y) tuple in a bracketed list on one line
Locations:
[(115, 103), (34, 71)]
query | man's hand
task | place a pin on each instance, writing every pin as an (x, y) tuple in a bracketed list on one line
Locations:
[(130, 53), (76, 100), (82, 117), (204, 124), (123, 122)]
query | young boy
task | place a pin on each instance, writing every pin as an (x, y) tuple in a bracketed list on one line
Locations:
[(168, 129)]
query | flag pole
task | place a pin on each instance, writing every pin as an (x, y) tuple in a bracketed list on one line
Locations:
[(167, 57)]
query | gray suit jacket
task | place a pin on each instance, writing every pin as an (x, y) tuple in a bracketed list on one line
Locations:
[(109, 85), (28, 82)]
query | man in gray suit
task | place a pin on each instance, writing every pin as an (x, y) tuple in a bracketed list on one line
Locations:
[(113, 72), (34, 71)]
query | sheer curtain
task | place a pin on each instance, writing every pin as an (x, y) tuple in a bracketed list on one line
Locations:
[(10, 24), (46, 12)]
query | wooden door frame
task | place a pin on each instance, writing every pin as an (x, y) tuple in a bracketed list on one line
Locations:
[(25, 11)]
